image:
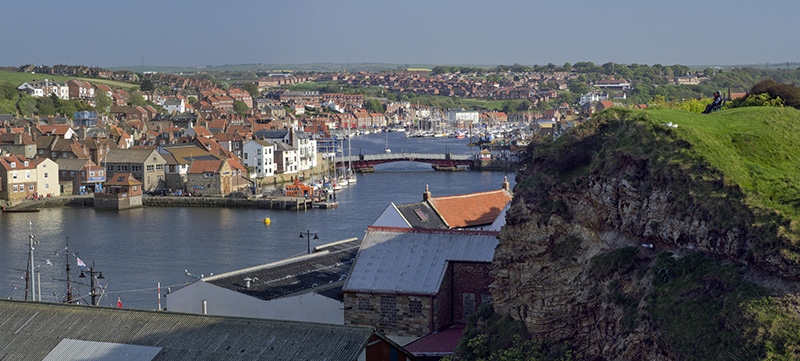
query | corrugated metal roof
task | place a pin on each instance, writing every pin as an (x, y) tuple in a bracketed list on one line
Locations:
[(412, 260), (70, 350), (31, 330)]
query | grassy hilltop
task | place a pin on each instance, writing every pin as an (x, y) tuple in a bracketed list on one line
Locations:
[(747, 156), (18, 78), (716, 194)]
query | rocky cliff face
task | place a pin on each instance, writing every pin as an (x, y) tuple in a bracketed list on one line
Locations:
[(575, 258)]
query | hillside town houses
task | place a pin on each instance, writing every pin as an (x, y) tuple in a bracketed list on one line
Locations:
[(191, 128)]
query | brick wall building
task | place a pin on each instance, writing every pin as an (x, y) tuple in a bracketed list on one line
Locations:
[(408, 283)]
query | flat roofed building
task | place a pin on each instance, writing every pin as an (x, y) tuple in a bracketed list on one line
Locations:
[(304, 288)]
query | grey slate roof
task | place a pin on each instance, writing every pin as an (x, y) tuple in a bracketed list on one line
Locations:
[(413, 261), (421, 215), (298, 275), (30, 330), (129, 155), (71, 164), (283, 147), (270, 134)]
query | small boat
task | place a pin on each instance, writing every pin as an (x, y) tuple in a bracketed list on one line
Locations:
[(19, 210)]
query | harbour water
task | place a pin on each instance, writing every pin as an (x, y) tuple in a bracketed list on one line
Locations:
[(135, 249)]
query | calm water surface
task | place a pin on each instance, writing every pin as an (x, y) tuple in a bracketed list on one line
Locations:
[(137, 248)]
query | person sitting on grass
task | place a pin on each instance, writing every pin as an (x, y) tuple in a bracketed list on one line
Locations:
[(715, 105)]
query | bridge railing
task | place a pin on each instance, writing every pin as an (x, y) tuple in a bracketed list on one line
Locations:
[(403, 155)]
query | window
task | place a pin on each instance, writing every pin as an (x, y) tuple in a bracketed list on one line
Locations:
[(172, 169), (13, 164), (91, 173), (415, 307), (388, 309), (26, 163), (45, 175), (30, 187), (63, 173), (15, 188), (159, 167), (136, 168), (135, 188), (13, 174), (27, 174), (245, 155), (363, 304), (120, 179), (47, 186), (209, 175), (150, 168), (72, 174)]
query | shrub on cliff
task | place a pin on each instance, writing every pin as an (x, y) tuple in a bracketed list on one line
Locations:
[(492, 337), (706, 311), (770, 93)]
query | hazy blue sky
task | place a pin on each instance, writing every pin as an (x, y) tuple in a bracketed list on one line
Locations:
[(203, 32)]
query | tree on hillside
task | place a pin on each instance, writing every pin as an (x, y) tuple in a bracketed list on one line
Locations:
[(579, 88), (374, 105), (192, 100), (45, 107), (251, 88), (239, 107), (8, 91), (136, 99), (147, 85), (27, 105), (102, 101), (67, 109)]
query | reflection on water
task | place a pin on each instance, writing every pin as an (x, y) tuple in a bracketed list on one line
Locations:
[(137, 248)]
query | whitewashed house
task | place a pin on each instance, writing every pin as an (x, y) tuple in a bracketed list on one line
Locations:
[(259, 155), (175, 106)]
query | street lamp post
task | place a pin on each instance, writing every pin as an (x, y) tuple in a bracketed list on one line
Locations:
[(308, 238)]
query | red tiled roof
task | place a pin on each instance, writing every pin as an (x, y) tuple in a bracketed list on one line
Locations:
[(200, 166), (470, 210), (127, 180)]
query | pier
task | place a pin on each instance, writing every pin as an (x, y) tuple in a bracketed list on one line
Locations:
[(268, 202)]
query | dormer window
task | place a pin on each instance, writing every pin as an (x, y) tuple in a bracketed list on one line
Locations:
[(26, 163)]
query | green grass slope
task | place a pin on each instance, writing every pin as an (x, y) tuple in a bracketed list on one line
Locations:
[(18, 78), (740, 165), (756, 148)]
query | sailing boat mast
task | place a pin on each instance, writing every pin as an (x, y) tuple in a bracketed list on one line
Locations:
[(31, 265), (349, 155), (69, 281)]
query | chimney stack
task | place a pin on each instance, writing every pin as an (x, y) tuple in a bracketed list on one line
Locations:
[(506, 185), (426, 195)]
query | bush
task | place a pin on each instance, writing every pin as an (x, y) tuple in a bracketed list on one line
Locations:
[(790, 94)]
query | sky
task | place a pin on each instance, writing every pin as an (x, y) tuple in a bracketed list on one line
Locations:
[(476, 32)]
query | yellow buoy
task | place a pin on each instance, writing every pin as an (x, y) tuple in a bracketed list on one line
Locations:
[(267, 221)]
